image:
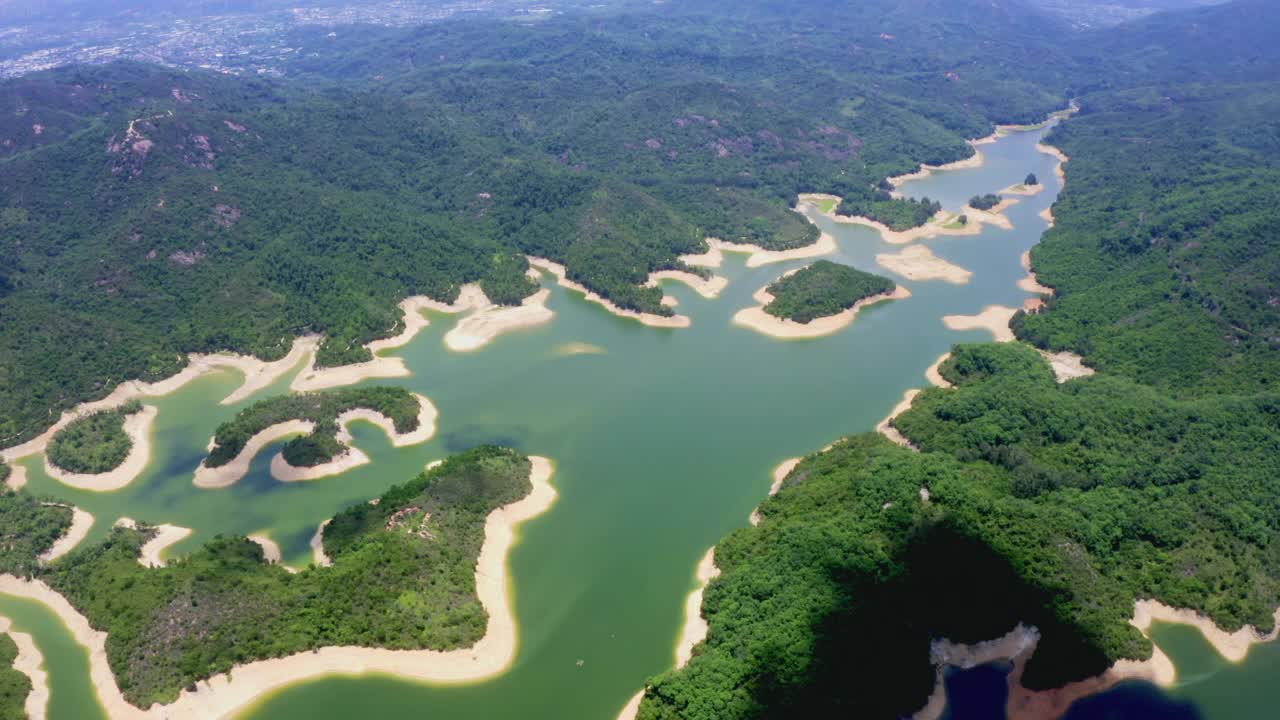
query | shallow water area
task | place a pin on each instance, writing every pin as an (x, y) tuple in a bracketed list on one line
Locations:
[(663, 443)]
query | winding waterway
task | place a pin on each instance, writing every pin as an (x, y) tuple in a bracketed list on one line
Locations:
[(663, 439)]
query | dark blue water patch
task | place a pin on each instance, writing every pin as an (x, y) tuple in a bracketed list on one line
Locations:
[(470, 436), (978, 693), (1133, 700)]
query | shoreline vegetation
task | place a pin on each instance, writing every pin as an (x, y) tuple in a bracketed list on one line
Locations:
[(650, 319), (25, 658), (81, 523), (322, 420), (801, 300), (969, 221), (226, 693), (162, 537)]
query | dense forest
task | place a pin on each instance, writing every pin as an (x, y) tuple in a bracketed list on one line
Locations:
[(821, 289), (403, 577), (153, 211), (93, 444), (1062, 504), (14, 686), (320, 408)]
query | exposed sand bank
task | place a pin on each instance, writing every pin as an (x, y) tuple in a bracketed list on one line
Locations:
[(758, 256), (138, 427), (1047, 215), (579, 348), (281, 470), (993, 318), (313, 378), (259, 374), (81, 522), (562, 278), (224, 695), (1058, 169), (1030, 283), (1023, 190), (933, 376), (166, 536), (271, 551), (632, 708), (708, 288), (712, 258), (486, 323), (975, 160), (695, 626), (1233, 646), (755, 318), (917, 262), (318, 556), (886, 428), (29, 662)]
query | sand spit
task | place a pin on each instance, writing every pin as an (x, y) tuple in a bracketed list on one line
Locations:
[(81, 522), (318, 556), (758, 256), (312, 378), (232, 472), (1030, 283), (933, 376), (917, 262), (695, 626), (708, 288), (993, 318), (480, 328), (29, 662), (1023, 190), (138, 427), (257, 373), (755, 318), (224, 695), (166, 536), (562, 278)]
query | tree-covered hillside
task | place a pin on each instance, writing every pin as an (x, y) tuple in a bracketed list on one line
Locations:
[(146, 212)]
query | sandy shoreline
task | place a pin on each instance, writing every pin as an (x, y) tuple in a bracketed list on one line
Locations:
[(271, 551), (917, 262), (708, 288), (755, 318), (480, 328), (138, 427), (224, 695), (885, 427), (1023, 190), (166, 536), (81, 523), (29, 662), (319, 557), (1058, 169), (1047, 215), (230, 473), (993, 318), (1030, 283), (943, 222), (695, 626), (562, 278)]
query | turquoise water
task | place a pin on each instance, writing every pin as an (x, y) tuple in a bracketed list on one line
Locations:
[(662, 444)]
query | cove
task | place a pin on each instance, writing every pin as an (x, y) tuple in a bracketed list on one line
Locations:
[(663, 443)]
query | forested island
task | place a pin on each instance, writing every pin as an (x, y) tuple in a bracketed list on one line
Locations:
[(402, 577), (984, 202), (94, 444), (821, 289), (897, 214), (322, 409), (14, 686)]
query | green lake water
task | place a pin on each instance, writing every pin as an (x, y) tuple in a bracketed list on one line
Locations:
[(662, 445)]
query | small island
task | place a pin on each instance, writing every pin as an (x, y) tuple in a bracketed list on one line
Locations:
[(815, 300), (94, 444), (1030, 186), (318, 419)]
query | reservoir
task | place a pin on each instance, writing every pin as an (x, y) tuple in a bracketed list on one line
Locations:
[(664, 440)]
